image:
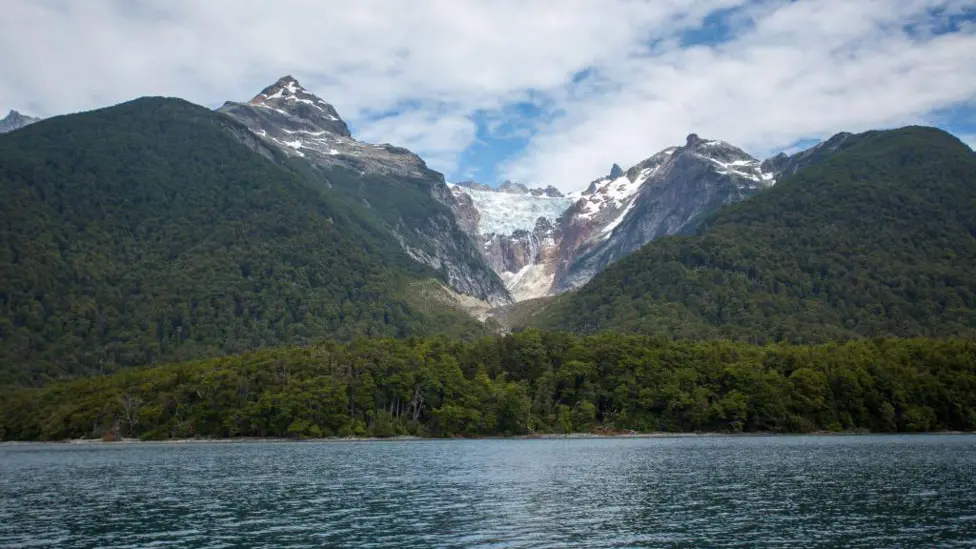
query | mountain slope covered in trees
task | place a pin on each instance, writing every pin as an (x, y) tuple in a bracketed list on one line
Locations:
[(159, 230), (876, 239)]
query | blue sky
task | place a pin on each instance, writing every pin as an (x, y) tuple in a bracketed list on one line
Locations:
[(496, 89)]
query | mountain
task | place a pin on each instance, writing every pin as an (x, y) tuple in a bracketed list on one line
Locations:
[(158, 230), (663, 195), (404, 196), (15, 120), (876, 237), (539, 250)]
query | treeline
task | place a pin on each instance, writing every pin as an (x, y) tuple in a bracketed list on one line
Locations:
[(531, 382)]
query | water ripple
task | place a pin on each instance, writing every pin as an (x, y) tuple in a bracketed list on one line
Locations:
[(796, 492)]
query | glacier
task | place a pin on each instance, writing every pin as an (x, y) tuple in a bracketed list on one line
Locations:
[(505, 213)]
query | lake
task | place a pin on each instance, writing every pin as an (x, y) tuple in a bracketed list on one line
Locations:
[(708, 492)]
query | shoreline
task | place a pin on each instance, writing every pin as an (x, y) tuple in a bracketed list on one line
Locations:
[(411, 438)]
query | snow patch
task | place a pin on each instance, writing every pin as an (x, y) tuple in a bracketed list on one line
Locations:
[(269, 107), (305, 132), (613, 193), (308, 101), (608, 230)]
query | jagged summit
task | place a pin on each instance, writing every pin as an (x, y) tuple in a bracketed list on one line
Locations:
[(15, 120), (286, 85), (309, 112), (513, 187), (302, 124), (616, 171)]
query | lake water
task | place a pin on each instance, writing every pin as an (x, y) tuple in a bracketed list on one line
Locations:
[(709, 492)]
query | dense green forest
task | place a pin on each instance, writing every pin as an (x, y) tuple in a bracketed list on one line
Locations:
[(152, 231), (531, 382), (878, 239)]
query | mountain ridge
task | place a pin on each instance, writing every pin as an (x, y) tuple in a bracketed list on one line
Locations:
[(554, 252), (877, 238)]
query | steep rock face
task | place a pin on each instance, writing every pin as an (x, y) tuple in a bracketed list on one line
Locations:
[(409, 200), (674, 190), (15, 120)]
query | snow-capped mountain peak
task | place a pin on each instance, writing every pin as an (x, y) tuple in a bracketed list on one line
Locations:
[(302, 124), (303, 111)]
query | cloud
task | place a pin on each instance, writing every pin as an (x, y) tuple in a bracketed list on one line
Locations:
[(798, 70), (583, 86)]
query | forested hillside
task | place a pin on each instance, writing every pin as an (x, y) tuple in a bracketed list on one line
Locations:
[(157, 230), (878, 239), (525, 383)]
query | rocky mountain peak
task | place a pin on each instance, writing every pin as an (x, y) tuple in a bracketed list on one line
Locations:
[(15, 120), (616, 171), (513, 187), (308, 112), (550, 191), (693, 140), (285, 86)]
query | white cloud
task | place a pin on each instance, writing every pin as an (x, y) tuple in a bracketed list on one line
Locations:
[(415, 73), (805, 69)]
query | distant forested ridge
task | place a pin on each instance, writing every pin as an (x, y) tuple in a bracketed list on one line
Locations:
[(531, 382), (877, 238), (158, 230)]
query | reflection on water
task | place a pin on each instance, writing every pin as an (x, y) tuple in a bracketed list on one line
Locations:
[(898, 491)]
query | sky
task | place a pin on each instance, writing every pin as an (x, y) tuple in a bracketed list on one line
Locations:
[(548, 92)]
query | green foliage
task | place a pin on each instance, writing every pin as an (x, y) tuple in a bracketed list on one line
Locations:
[(517, 384), (877, 240), (151, 232)]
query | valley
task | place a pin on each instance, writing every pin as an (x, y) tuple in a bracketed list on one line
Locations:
[(171, 271)]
